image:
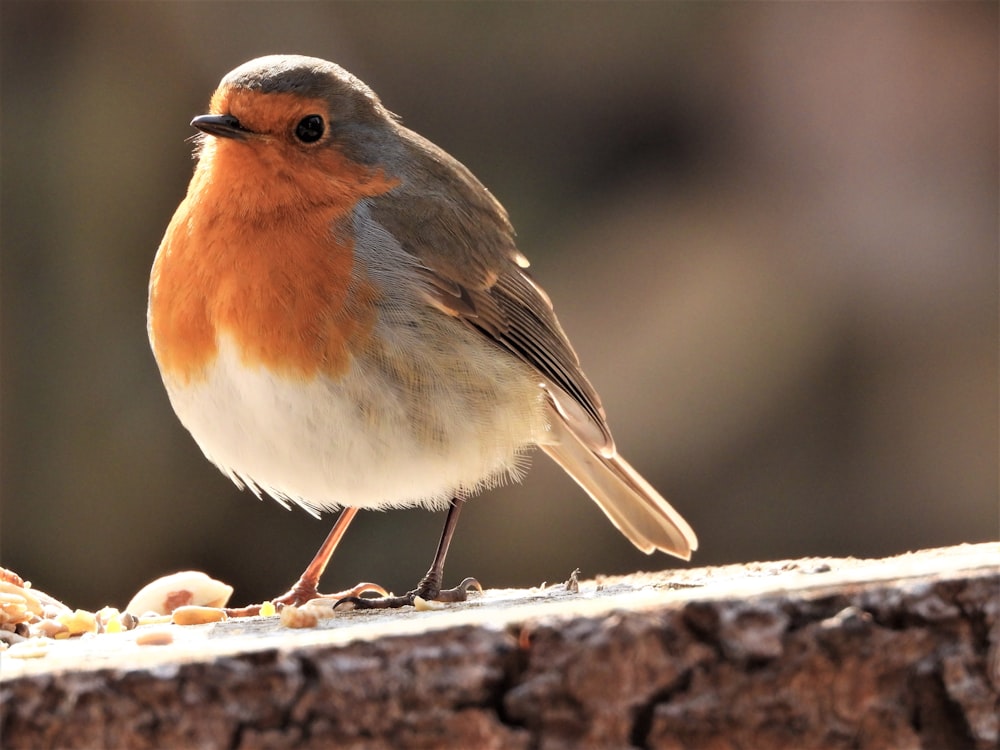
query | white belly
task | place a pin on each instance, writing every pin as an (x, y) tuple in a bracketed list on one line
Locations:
[(373, 438)]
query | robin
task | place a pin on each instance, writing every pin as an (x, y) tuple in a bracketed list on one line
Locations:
[(342, 319)]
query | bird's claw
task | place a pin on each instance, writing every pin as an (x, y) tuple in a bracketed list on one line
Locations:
[(461, 592), (301, 593), (357, 591), (426, 591)]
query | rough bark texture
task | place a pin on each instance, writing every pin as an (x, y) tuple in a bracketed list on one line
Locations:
[(899, 653)]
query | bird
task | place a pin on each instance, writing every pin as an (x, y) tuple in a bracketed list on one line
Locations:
[(342, 320)]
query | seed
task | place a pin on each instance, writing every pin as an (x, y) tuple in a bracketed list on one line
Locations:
[(298, 617), (158, 637), (79, 622), (49, 628), (193, 615), (188, 587), (33, 648)]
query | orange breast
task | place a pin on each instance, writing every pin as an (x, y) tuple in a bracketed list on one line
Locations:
[(257, 258)]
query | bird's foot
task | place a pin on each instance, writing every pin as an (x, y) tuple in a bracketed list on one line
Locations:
[(304, 591), (429, 589)]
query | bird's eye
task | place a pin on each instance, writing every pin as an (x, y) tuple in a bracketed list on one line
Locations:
[(309, 129)]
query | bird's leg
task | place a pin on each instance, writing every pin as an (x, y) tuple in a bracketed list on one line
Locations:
[(307, 587), (429, 587)]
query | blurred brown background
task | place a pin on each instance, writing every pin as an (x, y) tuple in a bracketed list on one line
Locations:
[(770, 230)]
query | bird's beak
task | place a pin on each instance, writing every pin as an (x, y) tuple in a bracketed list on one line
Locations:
[(222, 126)]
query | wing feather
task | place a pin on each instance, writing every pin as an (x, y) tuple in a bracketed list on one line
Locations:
[(443, 216)]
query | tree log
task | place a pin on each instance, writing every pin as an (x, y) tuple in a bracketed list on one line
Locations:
[(808, 654)]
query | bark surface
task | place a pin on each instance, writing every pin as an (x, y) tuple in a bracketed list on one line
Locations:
[(818, 653)]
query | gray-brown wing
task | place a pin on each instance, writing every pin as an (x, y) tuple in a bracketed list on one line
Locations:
[(444, 216)]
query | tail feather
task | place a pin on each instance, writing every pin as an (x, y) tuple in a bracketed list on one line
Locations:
[(628, 500)]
